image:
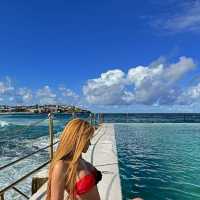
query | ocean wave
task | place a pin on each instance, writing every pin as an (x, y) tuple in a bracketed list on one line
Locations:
[(29, 122), (4, 123), (16, 171)]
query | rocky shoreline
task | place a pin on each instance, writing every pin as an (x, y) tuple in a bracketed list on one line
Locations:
[(40, 109)]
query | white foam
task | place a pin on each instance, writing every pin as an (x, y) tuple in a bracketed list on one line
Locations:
[(16, 171), (4, 123)]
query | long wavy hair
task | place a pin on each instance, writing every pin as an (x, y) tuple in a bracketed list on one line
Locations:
[(73, 140)]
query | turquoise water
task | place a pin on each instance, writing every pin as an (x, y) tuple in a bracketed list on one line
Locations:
[(159, 161)]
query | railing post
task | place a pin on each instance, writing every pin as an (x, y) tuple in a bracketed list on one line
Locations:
[(2, 196), (94, 119), (91, 118), (50, 116), (102, 118), (73, 115), (98, 118)]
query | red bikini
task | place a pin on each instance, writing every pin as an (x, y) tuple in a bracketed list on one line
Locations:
[(85, 183)]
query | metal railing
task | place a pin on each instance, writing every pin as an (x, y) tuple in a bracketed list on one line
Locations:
[(92, 119)]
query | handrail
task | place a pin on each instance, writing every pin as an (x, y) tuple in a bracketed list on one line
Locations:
[(22, 178), (22, 158), (20, 192), (91, 119), (30, 125)]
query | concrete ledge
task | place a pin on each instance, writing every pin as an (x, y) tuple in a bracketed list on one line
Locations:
[(103, 155)]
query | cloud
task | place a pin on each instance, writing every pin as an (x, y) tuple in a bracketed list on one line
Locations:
[(68, 96), (61, 95), (6, 89), (190, 95), (6, 86), (185, 17), (11, 94), (66, 92), (46, 96), (23, 96), (155, 84), (188, 20), (107, 89)]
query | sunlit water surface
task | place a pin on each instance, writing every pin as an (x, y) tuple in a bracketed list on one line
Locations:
[(159, 161)]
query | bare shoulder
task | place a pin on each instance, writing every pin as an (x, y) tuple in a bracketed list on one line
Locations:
[(60, 165), (59, 168)]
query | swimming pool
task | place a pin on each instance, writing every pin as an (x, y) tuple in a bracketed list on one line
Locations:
[(159, 161)]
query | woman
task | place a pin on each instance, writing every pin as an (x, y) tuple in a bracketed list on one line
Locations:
[(68, 170)]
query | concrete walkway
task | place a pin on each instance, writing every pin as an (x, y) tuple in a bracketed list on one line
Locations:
[(103, 155)]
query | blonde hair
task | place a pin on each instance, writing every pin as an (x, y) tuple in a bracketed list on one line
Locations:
[(73, 139)]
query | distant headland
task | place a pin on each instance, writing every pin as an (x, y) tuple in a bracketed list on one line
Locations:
[(5, 109)]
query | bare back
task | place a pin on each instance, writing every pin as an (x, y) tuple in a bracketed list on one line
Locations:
[(58, 185)]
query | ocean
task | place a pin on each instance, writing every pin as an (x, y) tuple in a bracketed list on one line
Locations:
[(159, 154)]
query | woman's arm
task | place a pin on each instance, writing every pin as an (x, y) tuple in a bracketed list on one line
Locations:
[(58, 182)]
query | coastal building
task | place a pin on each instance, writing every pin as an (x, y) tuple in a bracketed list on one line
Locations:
[(42, 109)]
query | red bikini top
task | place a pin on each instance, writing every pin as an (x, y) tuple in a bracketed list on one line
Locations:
[(85, 183)]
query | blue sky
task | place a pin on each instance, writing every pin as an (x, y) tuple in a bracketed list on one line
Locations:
[(107, 56)]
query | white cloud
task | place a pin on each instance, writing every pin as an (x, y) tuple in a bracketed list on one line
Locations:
[(13, 95), (187, 20), (155, 82), (23, 96), (6, 89), (155, 85), (66, 92), (190, 95), (138, 74), (107, 89), (151, 85), (45, 96), (182, 16), (6, 86), (68, 96), (10, 93), (62, 95)]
